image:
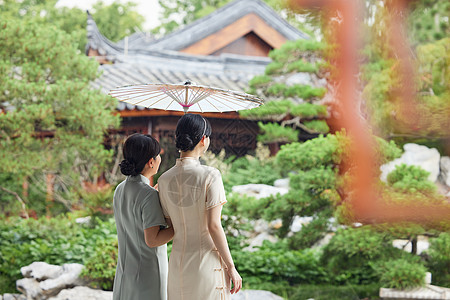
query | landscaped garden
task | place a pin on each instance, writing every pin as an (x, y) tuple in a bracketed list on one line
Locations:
[(58, 178)]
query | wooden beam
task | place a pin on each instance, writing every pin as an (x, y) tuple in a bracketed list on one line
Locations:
[(159, 112), (234, 31)]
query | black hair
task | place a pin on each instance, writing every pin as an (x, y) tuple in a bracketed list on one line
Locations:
[(190, 130), (138, 149)]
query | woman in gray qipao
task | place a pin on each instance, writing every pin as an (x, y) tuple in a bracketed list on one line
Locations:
[(142, 266)]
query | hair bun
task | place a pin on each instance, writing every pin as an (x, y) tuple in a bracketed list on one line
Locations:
[(184, 142), (127, 168)]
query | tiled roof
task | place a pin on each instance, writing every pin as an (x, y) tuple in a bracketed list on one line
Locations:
[(156, 61), (142, 43), (220, 18), (229, 71)]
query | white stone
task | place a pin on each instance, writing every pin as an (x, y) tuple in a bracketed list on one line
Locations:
[(255, 295), (445, 170), (41, 271), (282, 183), (260, 225), (83, 293), (259, 190), (13, 297), (258, 241), (298, 223), (69, 277), (30, 288), (422, 244), (299, 78), (417, 155), (84, 220)]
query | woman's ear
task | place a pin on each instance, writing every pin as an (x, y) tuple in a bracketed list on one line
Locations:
[(151, 162)]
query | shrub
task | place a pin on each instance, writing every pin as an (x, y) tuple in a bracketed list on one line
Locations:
[(302, 66), (273, 68), (401, 273), (308, 110), (100, 268), (439, 259), (319, 126), (274, 262), (259, 80), (274, 132), (410, 179), (249, 169), (271, 108), (56, 241), (352, 254)]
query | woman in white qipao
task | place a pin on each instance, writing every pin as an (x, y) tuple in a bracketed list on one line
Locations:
[(192, 195)]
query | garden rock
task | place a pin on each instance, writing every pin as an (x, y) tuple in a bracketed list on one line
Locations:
[(83, 292), (298, 223), (255, 294), (13, 297), (258, 190), (44, 280), (445, 170), (417, 155), (258, 241), (30, 288), (302, 78), (41, 271), (282, 183)]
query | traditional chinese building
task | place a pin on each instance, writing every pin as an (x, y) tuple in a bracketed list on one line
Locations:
[(224, 49)]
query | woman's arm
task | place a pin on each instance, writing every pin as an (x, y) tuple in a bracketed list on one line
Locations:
[(220, 241), (155, 236)]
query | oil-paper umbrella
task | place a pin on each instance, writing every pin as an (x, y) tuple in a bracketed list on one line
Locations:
[(185, 97)]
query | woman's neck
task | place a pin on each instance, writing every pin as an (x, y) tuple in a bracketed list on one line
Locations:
[(193, 154)]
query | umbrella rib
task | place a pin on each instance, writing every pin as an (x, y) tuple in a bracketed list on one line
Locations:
[(127, 97), (222, 102), (146, 100), (169, 104), (199, 107), (122, 93), (234, 101), (213, 105)]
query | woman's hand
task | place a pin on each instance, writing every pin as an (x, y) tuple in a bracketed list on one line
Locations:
[(236, 279)]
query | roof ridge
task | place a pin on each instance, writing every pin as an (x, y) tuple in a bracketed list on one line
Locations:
[(259, 7)]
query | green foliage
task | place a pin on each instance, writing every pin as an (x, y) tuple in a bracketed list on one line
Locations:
[(321, 151), (411, 179), (259, 80), (100, 268), (249, 169), (46, 80), (115, 20), (310, 233), (401, 274), (276, 263), (353, 254), (308, 110), (290, 50), (271, 108), (439, 259), (319, 126), (273, 132), (56, 241), (429, 20), (297, 90), (302, 66), (274, 67)]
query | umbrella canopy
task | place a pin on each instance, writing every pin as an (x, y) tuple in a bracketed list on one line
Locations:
[(185, 97)]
